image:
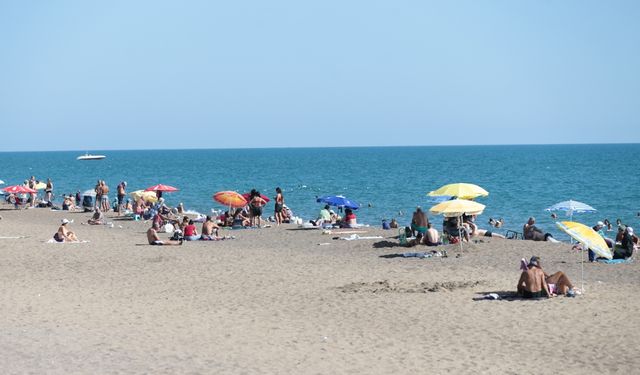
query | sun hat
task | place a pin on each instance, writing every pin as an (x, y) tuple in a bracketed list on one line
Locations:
[(65, 221), (600, 224), (534, 261)]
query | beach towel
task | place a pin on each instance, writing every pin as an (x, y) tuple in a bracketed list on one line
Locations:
[(613, 261), (51, 240), (355, 237)]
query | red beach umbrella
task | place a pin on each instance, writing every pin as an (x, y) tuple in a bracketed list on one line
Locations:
[(247, 195), (230, 198), (161, 187), (18, 189)]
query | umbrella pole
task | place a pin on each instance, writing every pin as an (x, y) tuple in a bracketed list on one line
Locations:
[(460, 227), (582, 269)]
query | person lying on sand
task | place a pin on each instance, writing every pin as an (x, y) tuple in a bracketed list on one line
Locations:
[(64, 234), (152, 237), (535, 283), (531, 232)]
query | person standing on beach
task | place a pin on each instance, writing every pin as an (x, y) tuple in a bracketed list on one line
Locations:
[(279, 205), (48, 191), (255, 208), (98, 190), (122, 192), (105, 197), (32, 185)]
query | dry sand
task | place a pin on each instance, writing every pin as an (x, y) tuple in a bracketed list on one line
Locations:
[(274, 301)]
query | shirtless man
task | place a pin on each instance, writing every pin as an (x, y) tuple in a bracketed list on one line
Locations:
[(208, 228), (419, 221), (433, 237), (152, 237), (532, 283), (64, 234), (557, 283)]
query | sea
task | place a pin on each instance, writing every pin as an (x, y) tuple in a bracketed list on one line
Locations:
[(388, 182)]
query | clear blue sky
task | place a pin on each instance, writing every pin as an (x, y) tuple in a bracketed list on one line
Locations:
[(89, 75)]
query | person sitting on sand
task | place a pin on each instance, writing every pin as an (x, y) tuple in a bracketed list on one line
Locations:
[(419, 221), (239, 220), (67, 203), (535, 283), (324, 217), (469, 222), (64, 234), (152, 237), (97, 218), (190, 231), (393, 224), (350, 220), (533, 233), (433, 237), (626, 247), (455, 232), (209, 230)]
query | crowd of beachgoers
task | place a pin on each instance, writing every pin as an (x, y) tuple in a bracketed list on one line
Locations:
[(180, 224)]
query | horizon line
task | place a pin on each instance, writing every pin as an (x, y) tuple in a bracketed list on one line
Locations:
[(329, 147)]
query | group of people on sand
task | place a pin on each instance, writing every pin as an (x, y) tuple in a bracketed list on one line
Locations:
[(454, 229), (535, 283)]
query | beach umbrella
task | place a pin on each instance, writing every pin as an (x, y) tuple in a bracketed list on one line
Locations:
[(248, 195), (338, 201), (89, 193), (459, 190), (147, 196), (161, 187), (457, 207), (230, 198), (571, 207), (18, 189), (589, 239)]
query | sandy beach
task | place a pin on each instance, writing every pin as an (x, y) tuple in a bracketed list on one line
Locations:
[(275, 301)]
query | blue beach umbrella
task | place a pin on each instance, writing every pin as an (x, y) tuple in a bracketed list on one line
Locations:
[(571, 207), (338, 201)]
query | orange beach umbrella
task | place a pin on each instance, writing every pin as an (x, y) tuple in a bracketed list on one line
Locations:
[(230, 198)]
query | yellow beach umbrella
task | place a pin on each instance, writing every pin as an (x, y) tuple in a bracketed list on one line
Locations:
[(457, 207), (147, 196), (587, 237), (459, 190)]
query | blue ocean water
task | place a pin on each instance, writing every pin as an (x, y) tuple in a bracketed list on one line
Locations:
[(387, 181)]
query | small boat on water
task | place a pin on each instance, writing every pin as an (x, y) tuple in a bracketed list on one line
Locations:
[(88, 156)]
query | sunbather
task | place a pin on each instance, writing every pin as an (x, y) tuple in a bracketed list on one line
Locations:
[(152, 237), (97, 218), (64, 234), (531, 232), (209, 229), (535, 283)]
